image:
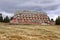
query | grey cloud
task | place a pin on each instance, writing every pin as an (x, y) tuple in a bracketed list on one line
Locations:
[(50, 6), (54, 7), (46, 1), (11, 5)]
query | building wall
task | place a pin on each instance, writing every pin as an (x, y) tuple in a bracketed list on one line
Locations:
[(30, 18)]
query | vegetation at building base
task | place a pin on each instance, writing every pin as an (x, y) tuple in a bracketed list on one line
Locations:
[(51, 19), (11, 18), (57, 21)]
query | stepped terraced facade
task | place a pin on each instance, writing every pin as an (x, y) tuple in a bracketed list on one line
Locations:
[(30, 17)]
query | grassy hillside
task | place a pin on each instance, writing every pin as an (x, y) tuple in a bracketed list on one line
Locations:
[(29, 32)]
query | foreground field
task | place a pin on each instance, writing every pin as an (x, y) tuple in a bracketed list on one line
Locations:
[(29, 32)]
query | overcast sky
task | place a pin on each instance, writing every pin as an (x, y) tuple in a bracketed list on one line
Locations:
[(52, 7)]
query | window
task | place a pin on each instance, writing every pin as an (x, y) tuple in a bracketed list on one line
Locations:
[(30, 17)]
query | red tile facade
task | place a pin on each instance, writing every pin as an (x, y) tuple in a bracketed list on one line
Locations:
[(30, 18)]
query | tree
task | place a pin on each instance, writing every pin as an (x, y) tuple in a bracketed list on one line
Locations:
[(58, 21), (11, 18), (6, 19), (1, 18), (52, 20)]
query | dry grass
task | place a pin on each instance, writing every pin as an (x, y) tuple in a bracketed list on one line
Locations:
[(29, 32)]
